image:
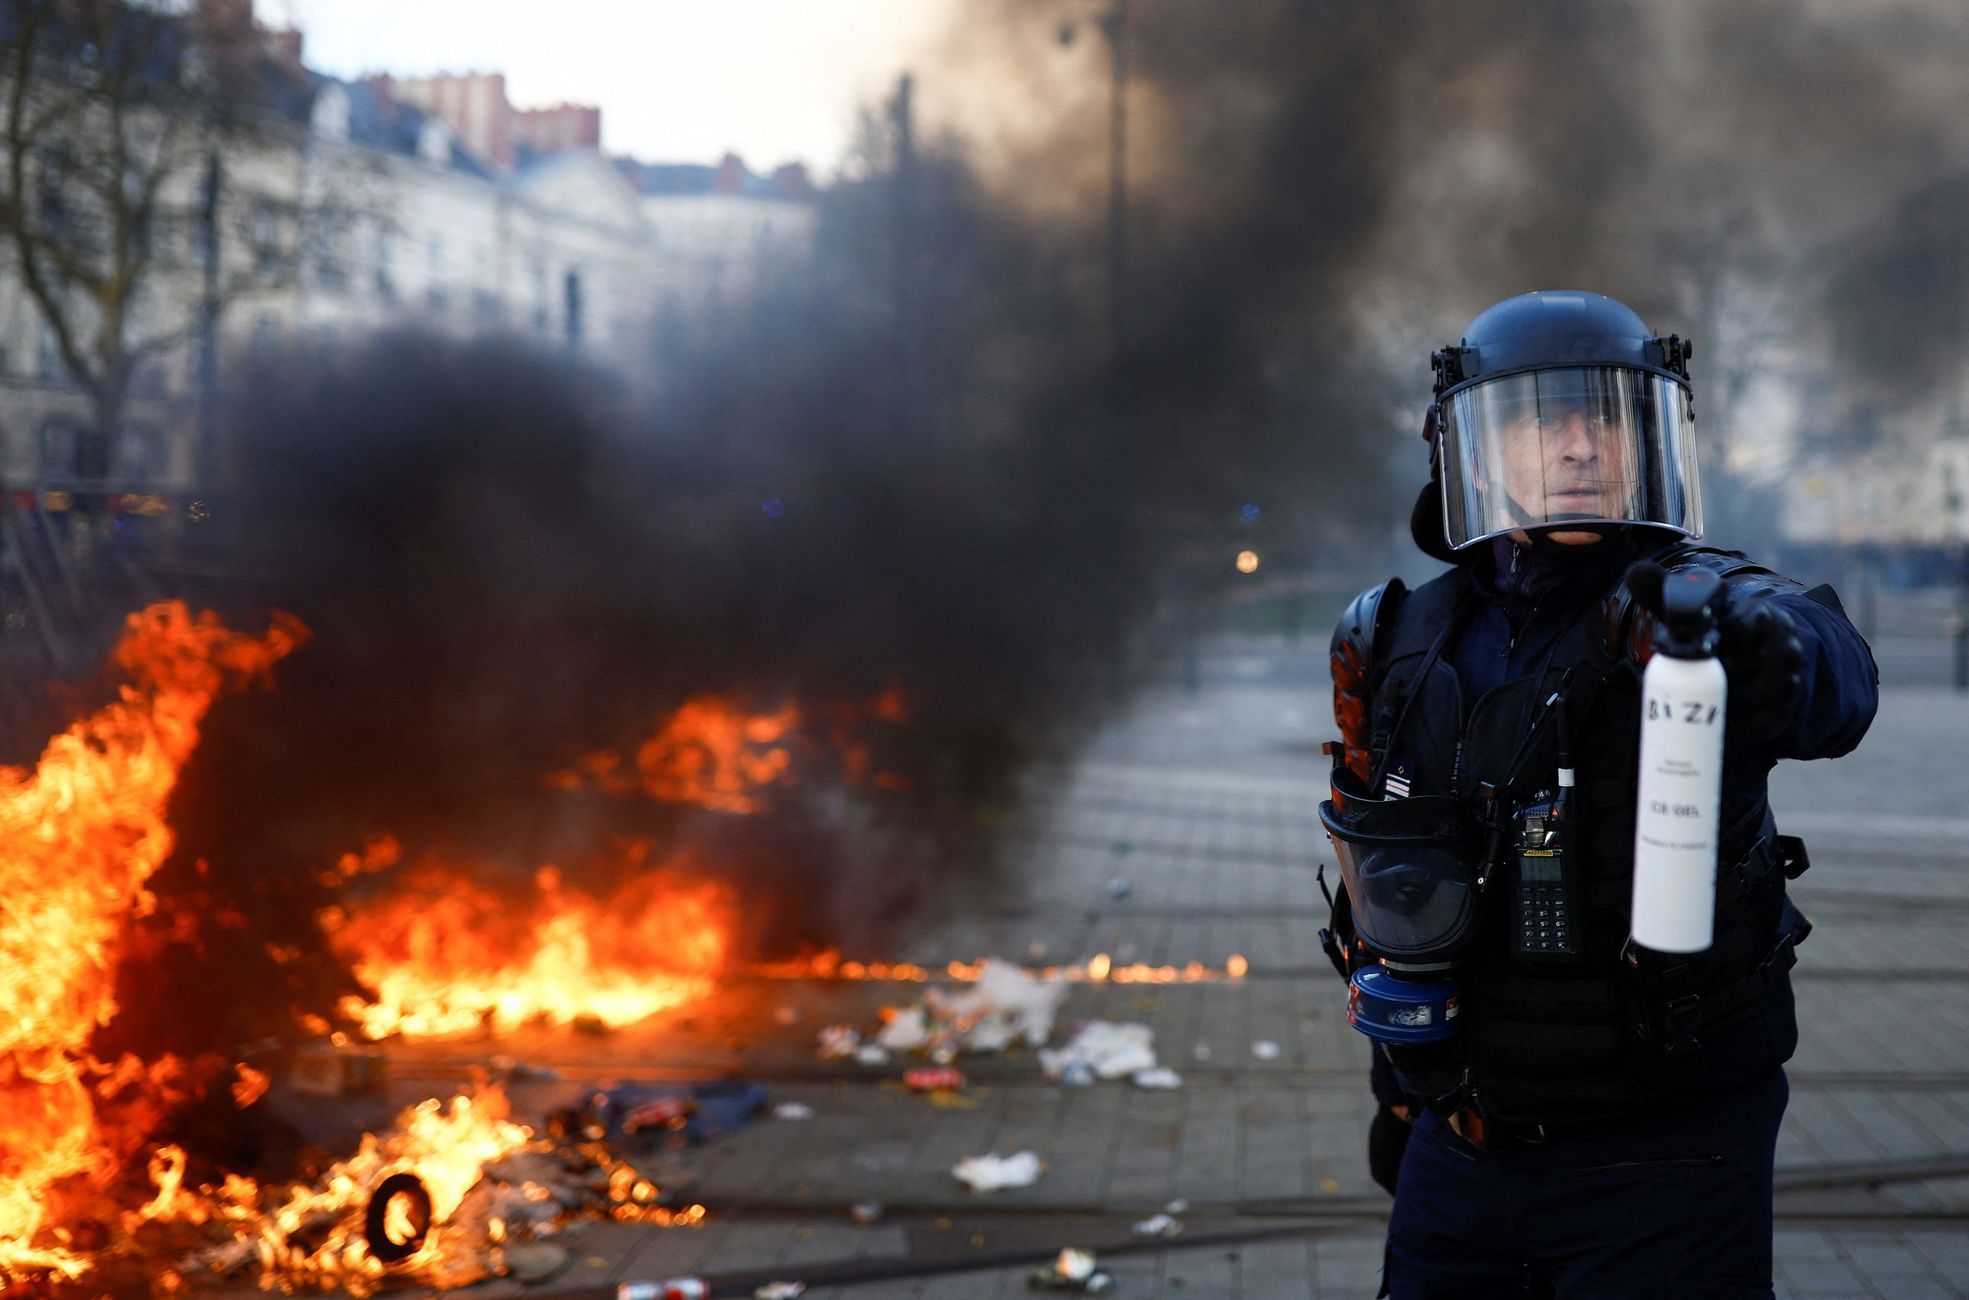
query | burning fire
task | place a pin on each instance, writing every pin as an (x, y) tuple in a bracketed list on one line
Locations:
[(712, 754), (320, 1234), (1098, 969), (447, 955), (79, 837)]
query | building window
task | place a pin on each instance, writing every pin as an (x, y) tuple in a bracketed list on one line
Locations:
[(571, 299), (266, 239), (137, 458), (61, 448), (53, 366), (386, 278), (331, 249)]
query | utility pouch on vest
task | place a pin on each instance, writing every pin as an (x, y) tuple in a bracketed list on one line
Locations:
[(1673, 1002)]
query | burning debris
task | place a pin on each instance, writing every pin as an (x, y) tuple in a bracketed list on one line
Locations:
[(453, 1193), (82, 834)]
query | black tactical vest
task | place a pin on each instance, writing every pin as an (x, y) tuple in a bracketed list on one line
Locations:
[(1621, 1030)]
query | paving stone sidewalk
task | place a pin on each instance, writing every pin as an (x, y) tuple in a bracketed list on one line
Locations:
[(1187, 832)]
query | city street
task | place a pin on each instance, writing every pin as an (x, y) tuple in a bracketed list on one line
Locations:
[(1203, 807)]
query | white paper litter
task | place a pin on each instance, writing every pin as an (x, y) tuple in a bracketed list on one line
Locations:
[(838, 1040), (780, 1291), (871, 1054), (1159, 1225), (991, 1173), (906, 1031), (1160, 1077), (1265, 1050), (1005, 1003), (793, 1110), (1111, 1050)]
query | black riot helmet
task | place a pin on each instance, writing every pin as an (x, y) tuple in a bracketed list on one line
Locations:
[(1559, 410)]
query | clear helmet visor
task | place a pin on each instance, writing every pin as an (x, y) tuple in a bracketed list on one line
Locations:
[(1584, 445)]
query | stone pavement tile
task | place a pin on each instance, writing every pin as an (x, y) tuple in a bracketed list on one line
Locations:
[(1840, 1127), (1277, 1270), (1083, 1144), (641, 1252), (1809, 1263), (1946, 1252), (750, 1245), (1940, 1123), (1209, 1271), (1143, 1170), (1272, 1127), (982, 1285), (907, 1288), (1210, 1151), (1349, 1265), (1888, 1264)]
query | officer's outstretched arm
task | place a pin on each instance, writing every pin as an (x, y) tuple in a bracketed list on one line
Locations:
[(1802, 680), (1839, 683)]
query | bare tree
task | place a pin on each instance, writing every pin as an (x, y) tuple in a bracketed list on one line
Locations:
[(118, 117)]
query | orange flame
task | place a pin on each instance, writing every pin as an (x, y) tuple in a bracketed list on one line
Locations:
[(714, 755), (79, 837), (316, 1234), (447, 955), (1099, 969)]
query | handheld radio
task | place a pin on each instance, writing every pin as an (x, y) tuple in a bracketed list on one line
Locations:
[(1542, 921)]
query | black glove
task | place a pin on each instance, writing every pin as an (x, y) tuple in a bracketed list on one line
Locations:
[(1387, 1139), (1765, 661)]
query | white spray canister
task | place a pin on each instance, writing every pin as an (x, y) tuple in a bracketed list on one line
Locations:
[(1676, 823)]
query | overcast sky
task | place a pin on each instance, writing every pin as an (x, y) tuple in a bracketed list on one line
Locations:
[(677, 80)]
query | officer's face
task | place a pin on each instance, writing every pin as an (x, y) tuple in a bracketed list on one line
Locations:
[(1568, 459)]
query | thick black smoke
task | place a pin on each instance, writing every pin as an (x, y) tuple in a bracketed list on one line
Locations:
[(921, 460), (1323, 191)]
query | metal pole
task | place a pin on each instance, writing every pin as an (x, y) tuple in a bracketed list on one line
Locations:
[(206, 465), (1116, 24)]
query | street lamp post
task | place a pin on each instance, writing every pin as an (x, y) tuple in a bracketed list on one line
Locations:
[(1115, 24)]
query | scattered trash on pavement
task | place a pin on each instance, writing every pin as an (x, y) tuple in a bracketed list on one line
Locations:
[(1201, 1052), (676, 1288), (534, 1261), (698, 1111), (993, 1173), (866, 1212), (905, 1031), (793, 1110), (933, 1078), (1072, 1270), (1077, 1074), (871, 1054), (1265, 1050), (1006, 1003), (1159, 1225), (1119, 889), (837, 1041), (1160, 1077), (1176, 1207), (1111, 1050), (780, 1291), (513, 1070)]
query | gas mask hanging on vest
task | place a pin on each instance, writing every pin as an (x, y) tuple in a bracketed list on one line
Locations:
[(1411, 869)]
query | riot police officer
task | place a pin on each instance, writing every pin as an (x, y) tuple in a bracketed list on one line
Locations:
[(1564, 1111)]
